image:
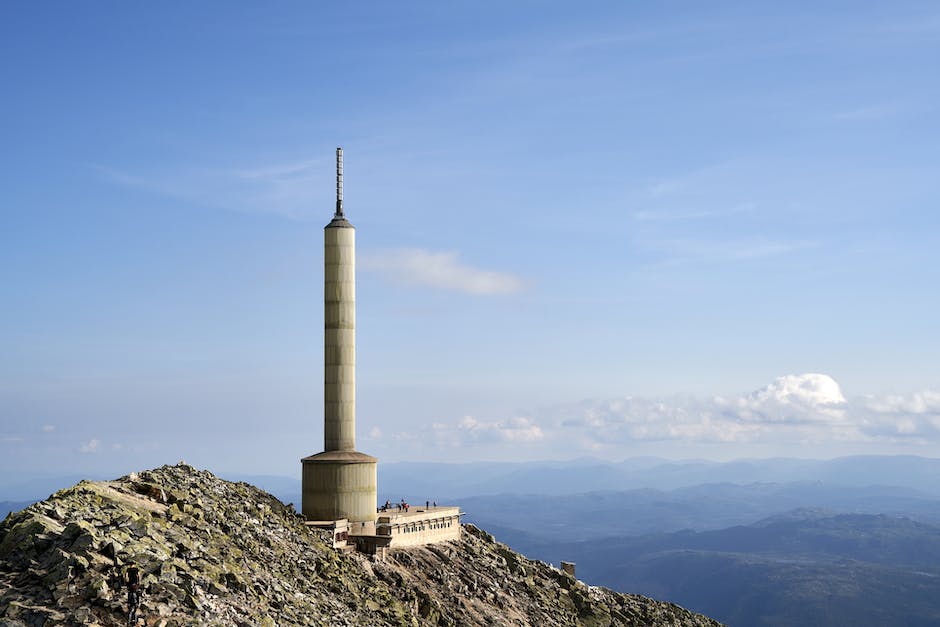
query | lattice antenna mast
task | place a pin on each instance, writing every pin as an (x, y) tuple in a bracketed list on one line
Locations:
[(339, 183)]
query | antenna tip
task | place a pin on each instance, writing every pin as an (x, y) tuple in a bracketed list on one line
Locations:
[(339, 182)]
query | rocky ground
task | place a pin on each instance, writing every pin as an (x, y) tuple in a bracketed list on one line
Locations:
[(218, 553)]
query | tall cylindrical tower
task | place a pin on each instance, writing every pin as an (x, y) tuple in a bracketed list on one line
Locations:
[(339, 321), (340, 482)]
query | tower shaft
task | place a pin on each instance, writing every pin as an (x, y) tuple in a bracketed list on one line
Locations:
[(339, 317)]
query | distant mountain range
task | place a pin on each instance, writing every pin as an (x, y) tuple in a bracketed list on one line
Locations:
[(439, 481), (573, 517), (807, 567), (416, 480)]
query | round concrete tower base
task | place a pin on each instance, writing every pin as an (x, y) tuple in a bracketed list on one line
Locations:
[(340, 484)]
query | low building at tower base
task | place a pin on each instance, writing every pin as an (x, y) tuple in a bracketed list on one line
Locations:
[(404, 529)]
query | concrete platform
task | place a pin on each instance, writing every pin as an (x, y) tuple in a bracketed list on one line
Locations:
[(419, 525), (414, 512)]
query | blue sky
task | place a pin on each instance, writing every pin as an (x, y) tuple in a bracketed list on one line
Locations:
[(606, 229)]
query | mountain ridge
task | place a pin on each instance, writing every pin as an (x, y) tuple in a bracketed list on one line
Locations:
[(213, 552)]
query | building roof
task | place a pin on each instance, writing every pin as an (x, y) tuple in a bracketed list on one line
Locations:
[(339, 222), (348, 457)]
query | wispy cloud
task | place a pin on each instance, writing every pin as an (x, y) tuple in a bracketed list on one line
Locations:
[(714, 214), (91, 446), (121, 177), (291, 189), (871, 112), (684, 183), (652, 215), (440, 270), (282, 171), (679, 251), (920, 25), (667, 187)]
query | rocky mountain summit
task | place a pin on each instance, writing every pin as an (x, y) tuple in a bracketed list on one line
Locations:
[(213, 552)]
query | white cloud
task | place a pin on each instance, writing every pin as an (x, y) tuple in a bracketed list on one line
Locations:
[(792, 410), (792, 415), (893, 416), (616, 421), (804, 389), (793, 399), (91, 446), (468, 430), (924, 402), (375, 433), (48, 428), (440, 270)]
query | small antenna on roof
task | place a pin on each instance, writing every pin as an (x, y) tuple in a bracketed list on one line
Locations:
[(339, 182)]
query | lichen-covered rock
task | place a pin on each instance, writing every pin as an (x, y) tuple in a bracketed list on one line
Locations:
[(213, 552)]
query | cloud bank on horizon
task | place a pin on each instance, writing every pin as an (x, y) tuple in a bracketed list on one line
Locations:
[(800, 413), (804, 415)]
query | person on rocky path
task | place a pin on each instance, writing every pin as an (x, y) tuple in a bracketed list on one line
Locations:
[(132, 581)]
